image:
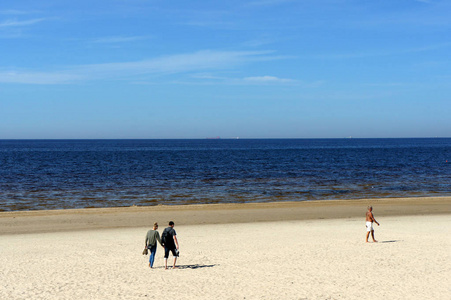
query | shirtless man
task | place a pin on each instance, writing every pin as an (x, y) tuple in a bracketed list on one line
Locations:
[(369, 223)]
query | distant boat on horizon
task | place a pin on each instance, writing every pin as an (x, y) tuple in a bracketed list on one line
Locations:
[(214, 138)]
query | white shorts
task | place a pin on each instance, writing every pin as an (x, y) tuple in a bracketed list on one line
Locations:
[(369, 226)]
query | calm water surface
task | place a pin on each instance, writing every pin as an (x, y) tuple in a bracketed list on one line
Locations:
[(57, 174)]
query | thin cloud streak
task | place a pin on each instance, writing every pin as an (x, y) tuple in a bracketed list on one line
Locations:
[(253, 79), (166, 65), (267, 79), (179, 63), (208, 79), (273, 80), (37, 77), (15, 23)]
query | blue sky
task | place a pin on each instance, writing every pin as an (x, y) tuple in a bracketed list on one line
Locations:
[(253, 69)]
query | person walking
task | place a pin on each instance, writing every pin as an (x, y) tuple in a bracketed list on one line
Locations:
[(369, 223), (170, 244), (152, 237)]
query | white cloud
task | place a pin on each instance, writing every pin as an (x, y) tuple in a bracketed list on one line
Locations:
[(178, 63), (15, 23), (172, 64), (207, 76), (276, 80), (259, 42), (267, 79), (37, 77)]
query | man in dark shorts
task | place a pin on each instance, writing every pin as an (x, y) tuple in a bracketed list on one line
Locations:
[(170, 244)]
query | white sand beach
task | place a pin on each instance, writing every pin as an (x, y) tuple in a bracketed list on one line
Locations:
[(292, 259)]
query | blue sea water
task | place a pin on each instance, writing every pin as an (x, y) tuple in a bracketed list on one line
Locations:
[(60, 174)]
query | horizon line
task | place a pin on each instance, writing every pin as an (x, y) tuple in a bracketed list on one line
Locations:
[(219, 138)]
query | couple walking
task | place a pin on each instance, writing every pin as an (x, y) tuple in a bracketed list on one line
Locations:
[(168, 240)]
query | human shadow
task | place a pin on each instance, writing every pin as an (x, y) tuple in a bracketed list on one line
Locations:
[(394, 241), (196, 266)]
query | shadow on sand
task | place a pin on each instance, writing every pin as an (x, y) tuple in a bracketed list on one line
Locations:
[(394, 241), (195, 266)]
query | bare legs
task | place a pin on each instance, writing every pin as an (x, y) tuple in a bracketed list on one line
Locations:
[(372, 235), (166, 263)]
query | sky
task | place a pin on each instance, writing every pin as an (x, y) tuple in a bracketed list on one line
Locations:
[(145, 69)]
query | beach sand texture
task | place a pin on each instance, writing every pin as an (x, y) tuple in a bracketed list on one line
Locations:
[(291, 259)]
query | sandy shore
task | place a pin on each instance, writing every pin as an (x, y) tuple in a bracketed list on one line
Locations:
[(256, 251), (142, 216)]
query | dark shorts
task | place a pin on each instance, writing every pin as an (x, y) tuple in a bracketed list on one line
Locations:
[(166, 252)]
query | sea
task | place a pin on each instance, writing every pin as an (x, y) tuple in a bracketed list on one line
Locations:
[(65, 174)]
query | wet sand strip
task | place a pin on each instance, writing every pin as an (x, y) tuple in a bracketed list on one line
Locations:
[(139, 216)]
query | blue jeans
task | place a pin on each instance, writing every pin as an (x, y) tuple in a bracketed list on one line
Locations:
[(153, 250)]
